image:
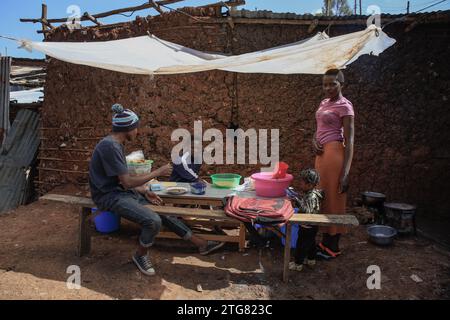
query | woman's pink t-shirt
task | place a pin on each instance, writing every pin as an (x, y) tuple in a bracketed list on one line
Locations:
[(329, 119)]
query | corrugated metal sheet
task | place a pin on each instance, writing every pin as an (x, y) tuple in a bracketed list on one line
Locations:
[(16, 155), (22, 142), (5, 69), (12, 187)]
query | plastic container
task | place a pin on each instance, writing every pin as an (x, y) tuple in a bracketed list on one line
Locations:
[(105, 221), (266, 186), (155, 187), (198, 187), (226, 180), (280, 171), (140, 167)]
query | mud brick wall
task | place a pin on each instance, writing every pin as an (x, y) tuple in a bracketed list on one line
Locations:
[(400, 99)]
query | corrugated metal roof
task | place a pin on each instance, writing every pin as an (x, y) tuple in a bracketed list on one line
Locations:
[(16, 155)]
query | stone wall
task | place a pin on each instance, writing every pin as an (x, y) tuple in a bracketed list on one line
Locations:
[(400, 99)]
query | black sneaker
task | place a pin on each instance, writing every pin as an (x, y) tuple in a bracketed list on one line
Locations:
[(210, 247), (144, 264)]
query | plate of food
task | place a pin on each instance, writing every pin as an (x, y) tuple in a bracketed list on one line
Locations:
[(176, 190)]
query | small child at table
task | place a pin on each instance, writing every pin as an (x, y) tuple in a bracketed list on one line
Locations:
[(308, 201)]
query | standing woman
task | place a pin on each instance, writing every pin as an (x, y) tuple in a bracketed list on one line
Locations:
[(333, 144)]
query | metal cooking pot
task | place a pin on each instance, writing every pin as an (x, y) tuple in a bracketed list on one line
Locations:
[(381, 235), (370, 198)]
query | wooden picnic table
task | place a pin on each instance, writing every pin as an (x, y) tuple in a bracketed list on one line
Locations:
[(213, 197)]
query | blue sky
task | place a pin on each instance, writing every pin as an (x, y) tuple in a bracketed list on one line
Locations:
[(12, 10)]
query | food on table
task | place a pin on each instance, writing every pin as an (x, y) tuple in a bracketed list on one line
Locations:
[(176, 190)]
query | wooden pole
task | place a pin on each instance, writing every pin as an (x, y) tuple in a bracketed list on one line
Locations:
[(355, 8), (109, 13), (94, 20), (360, 8), (44, 18), (156, 6), (407, 7)]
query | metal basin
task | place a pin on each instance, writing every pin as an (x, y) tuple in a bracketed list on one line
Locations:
[(381, 235)]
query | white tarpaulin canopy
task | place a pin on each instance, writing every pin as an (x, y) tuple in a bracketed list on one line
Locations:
[(150, 55)]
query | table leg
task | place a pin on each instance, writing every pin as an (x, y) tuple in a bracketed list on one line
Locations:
[(84, 235), (242, 231), (287, 252)]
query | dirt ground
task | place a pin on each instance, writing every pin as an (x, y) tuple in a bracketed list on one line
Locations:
[(38, 243)]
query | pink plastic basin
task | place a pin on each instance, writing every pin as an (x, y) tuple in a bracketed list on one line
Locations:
[(265, 186)]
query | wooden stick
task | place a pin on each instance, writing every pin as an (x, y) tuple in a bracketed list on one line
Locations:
[(62, 160), (44, 21), (44, 17), (65, 149), (79, 128), (61, 170), (58, 184), (108, 13), (156, 6), (93, 19)]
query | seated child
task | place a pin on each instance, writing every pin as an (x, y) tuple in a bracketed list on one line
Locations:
[(307, 202), (184, 168)]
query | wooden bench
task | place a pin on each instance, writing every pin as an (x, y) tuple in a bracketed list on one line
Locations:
[(205, 216), (192, 216)]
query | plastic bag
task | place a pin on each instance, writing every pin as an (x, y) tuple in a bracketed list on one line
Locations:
[(135, 156)]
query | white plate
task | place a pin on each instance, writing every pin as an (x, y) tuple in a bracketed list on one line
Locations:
[(176, 190)]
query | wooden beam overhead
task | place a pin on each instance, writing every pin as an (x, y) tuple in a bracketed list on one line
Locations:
[(108, 13)]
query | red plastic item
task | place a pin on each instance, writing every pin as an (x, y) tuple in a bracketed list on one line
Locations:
[(280, 170)]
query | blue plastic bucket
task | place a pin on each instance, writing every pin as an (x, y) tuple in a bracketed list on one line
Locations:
[(106, 222)]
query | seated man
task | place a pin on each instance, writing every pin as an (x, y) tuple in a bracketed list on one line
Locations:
[(113, 189)]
